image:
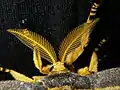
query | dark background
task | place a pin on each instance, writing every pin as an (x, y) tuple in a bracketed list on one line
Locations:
[(53, 19)]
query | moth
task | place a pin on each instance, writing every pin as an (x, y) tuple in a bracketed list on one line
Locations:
[(58, 77)]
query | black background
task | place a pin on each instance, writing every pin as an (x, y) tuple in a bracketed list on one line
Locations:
[(53, 19)]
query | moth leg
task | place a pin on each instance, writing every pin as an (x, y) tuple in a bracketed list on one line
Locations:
[(38, 62), (92, 67), (37, 78), (16, 75), (83, 71)]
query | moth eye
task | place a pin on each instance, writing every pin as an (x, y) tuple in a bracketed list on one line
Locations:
[(67, 66), (51, 68)]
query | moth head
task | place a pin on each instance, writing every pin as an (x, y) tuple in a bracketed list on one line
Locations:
[(58, 66)]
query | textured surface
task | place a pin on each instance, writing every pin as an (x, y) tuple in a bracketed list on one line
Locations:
[(103, 79), (63, 79), (107, 78), (17, 85)]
